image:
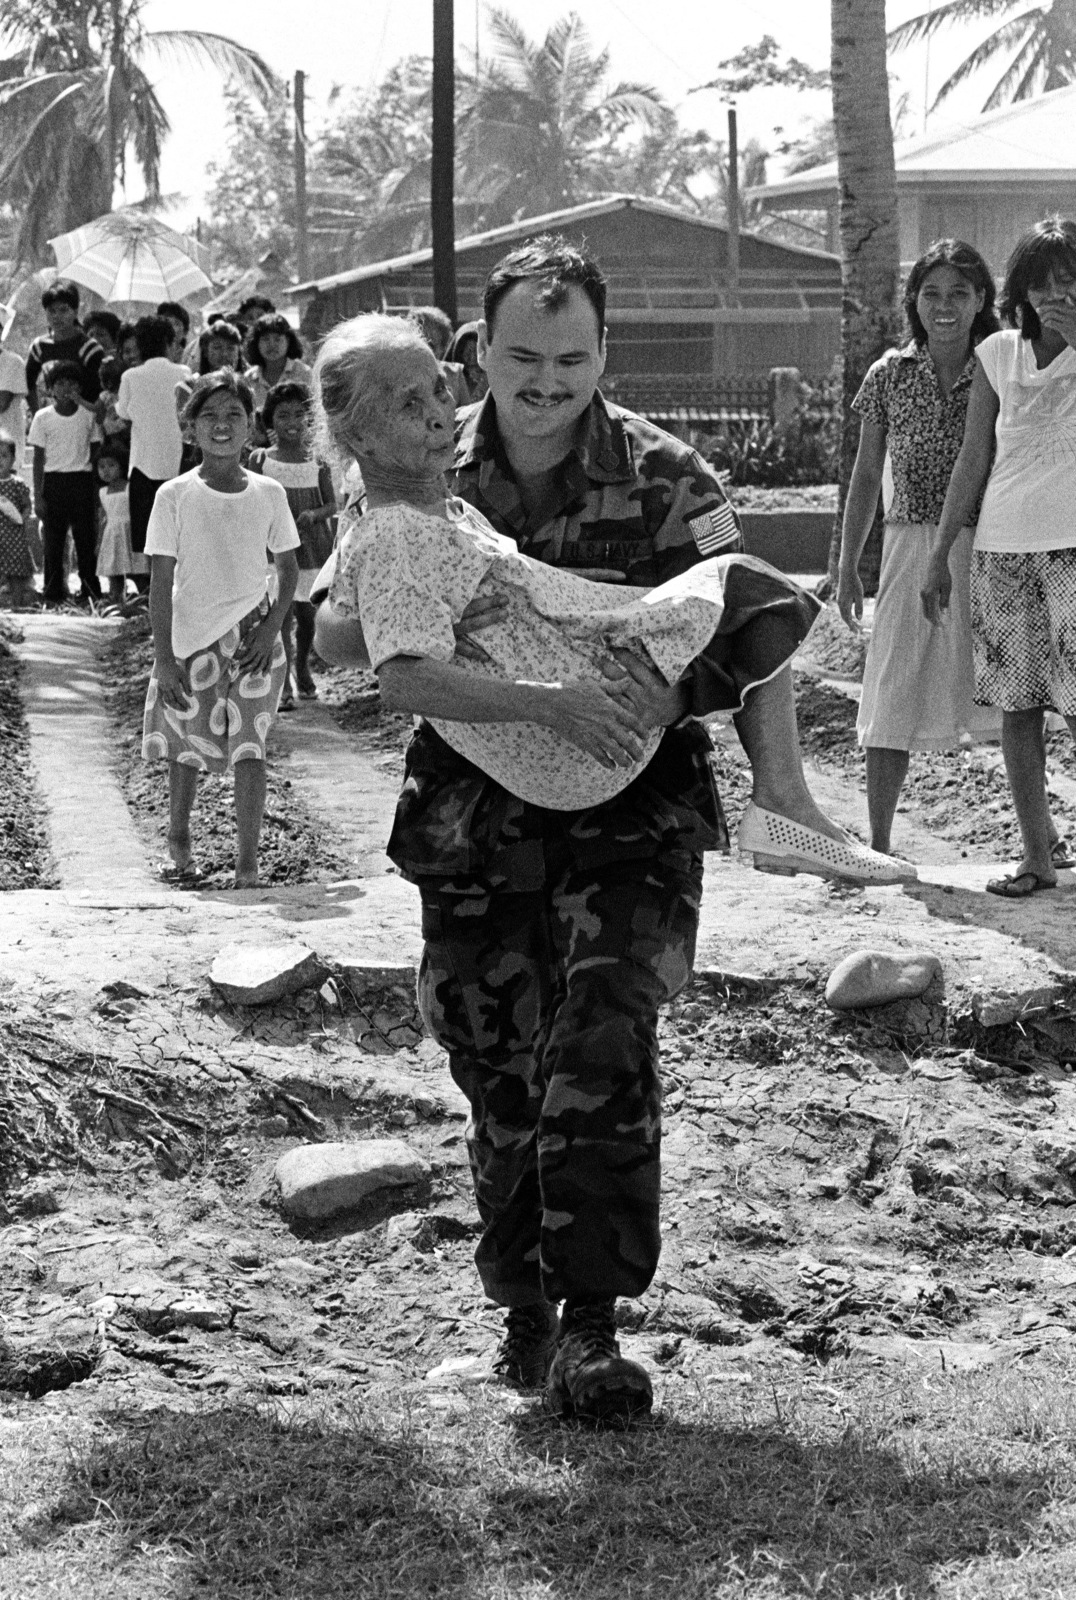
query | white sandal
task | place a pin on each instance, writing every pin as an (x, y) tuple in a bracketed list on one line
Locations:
[(782, 846)]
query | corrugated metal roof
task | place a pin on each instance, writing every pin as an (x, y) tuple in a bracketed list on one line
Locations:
[(1035, 138), (524, 229)]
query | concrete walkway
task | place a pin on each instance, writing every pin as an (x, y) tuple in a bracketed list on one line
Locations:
[(94, 842)]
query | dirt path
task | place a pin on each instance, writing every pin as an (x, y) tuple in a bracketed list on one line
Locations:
[(847, 1199)]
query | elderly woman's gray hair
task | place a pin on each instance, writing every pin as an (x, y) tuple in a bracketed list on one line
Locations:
[(354, 372)]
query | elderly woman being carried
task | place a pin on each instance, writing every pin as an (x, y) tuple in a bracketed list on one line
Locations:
[(544, 707)]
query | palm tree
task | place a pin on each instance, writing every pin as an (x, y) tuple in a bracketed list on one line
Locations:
[(870, 254), (535, 125), (76, 100), (1043, 39)]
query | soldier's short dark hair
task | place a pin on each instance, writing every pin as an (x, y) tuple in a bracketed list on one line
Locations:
[(1050, 246), (554, 265), (62, 292)]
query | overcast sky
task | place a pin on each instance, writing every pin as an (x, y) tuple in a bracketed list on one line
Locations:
[(674, 44)]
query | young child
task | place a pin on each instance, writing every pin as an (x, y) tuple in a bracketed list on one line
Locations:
[(64, 499), (16, 563), (116, 561), (309, 488), (219, 662)]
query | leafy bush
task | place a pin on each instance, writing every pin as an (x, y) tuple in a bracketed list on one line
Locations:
[(803, 453)]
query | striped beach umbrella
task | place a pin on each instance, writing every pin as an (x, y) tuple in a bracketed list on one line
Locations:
[(129, 257)]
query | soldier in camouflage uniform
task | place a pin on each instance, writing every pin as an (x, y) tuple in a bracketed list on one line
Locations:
[(553, 937)]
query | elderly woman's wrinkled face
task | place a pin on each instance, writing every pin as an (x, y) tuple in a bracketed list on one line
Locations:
[(412, 432)]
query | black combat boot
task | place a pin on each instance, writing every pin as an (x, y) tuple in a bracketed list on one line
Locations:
[(588, 1376), (530, 1334)]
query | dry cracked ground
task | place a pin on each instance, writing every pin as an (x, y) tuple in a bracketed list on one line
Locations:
[(861, 1333)]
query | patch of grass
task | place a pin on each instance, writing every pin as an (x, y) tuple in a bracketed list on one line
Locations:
[(25, 861), (857, 1485)]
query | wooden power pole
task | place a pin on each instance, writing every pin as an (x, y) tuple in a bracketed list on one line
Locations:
[(443, 163), (733, 203), (302, 251)]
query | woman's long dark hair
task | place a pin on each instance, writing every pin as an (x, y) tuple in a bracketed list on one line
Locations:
[(1050, 246), (970, 264)]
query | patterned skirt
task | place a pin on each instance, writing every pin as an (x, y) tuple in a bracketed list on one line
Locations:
[(229, 713), (1023, 613)]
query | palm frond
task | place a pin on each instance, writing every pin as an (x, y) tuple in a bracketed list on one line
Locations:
[(1017, 81), (147, 127), (216, 50), (22, 149), (916, 29), (38, 86), (1011, 35)]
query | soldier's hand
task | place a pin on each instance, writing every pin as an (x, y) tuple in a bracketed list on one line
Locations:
[(653, 702), (482, 612), (606, 728)]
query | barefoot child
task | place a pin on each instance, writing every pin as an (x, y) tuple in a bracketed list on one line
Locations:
[(16, 563), (308, 484), (219, 661)]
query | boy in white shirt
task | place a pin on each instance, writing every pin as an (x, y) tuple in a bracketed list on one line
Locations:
[(65, 492)]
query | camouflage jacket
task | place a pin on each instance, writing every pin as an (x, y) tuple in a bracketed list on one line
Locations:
[(631, 499)]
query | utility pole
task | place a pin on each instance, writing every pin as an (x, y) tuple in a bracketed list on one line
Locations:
[(443, 161), (302, 253), (733, 202)]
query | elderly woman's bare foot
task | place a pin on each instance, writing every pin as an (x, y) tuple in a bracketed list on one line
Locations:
[(246, 880)]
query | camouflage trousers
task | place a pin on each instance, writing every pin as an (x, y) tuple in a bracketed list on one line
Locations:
[(547, 1003)]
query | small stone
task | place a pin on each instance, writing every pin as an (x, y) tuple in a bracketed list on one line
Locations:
[(364, 977), (253, 974), (196, 1311), (876, 977), (405, 1228), (319, 1180), (276, 1127), (244, 1254), (38, 1199)]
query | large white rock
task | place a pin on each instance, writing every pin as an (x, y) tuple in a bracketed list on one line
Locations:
[(318, 1180), (876, 977), (253, 974)]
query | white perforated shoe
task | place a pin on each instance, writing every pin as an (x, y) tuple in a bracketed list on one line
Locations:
[(780, 845)]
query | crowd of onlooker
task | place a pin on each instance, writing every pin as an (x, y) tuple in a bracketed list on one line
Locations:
[(90, 428)]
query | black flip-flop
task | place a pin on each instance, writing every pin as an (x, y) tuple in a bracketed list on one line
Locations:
[(1017, 885), (1061, 855)]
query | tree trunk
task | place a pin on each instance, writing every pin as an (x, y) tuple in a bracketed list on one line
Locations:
[(443, 160), (870, 252)]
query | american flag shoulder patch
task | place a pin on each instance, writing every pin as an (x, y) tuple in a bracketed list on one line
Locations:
[(715, 529)]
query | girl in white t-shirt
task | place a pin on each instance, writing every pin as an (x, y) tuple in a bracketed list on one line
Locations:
[(219, 662), (1023, 576)]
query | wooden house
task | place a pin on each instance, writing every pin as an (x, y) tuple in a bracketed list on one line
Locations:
[(985, 180), (689, 341)]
